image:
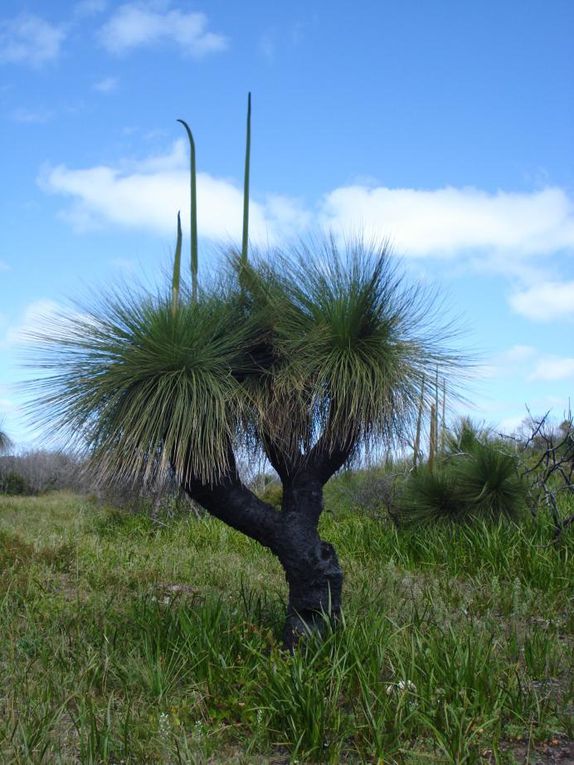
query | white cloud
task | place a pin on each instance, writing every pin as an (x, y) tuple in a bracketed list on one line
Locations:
[(107, 85), (510, 425), (287, 215), (31, 116), (4, 266), (127, 265), (36, 315), (551, 368), (175, 159), (148, 194), (518, 354), (530, 363), (444, 222), (135, 25), (29, 39), (509, 228), (89, 8), (547, 301), (267, 45), (506, 363)]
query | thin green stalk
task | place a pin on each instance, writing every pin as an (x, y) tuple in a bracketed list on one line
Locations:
[(436, 410), (443, 426), (432, 437), (193, 210), (246, 185), (176, 267), (419, 423)]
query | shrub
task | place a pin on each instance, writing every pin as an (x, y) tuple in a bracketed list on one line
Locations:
[(369, 491), (41, 471), (13, 483)]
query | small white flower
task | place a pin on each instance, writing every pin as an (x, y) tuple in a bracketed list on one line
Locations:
[(403, 686), (163, 725)]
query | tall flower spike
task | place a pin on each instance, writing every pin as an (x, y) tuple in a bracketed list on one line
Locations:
[(176, 267), (417, 445), (245, 241), (193, 210), (437, 409)]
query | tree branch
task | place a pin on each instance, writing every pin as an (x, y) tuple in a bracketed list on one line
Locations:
[(233, 503), (285, 465), (329, 455)]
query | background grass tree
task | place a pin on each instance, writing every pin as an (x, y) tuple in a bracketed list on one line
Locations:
[(305, 355), (477, 476)]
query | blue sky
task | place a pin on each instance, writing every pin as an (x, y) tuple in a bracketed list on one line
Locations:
[(447, 126)]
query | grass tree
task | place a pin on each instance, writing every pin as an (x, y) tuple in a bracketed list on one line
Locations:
[(476, 476), (304, 354)]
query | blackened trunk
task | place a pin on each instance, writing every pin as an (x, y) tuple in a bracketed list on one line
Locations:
[(315, 582), (234, 504), (311, 566)]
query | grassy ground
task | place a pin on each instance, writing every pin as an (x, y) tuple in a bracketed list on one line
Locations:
[(125, 642)]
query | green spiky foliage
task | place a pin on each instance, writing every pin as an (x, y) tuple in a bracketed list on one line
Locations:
[(349, 341), (139, 383), (489, 482), (482, 482), (322, 345), (464, 437), (429, 495), (304, 356)]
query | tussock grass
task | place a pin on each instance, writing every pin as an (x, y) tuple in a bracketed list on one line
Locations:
[(125, 641)]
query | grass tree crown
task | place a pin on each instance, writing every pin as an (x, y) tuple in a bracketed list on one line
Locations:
[(320, 346)]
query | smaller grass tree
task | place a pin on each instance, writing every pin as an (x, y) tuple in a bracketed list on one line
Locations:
[(305, 354), (476, 477)]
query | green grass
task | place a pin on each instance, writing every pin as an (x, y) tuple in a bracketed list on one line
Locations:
[(128, 642)]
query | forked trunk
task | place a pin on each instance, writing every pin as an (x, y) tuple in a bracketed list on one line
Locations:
[(311, 566)]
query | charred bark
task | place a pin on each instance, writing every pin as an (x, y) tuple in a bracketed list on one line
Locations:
[(312, 569), (234, 504), (311, 566)]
